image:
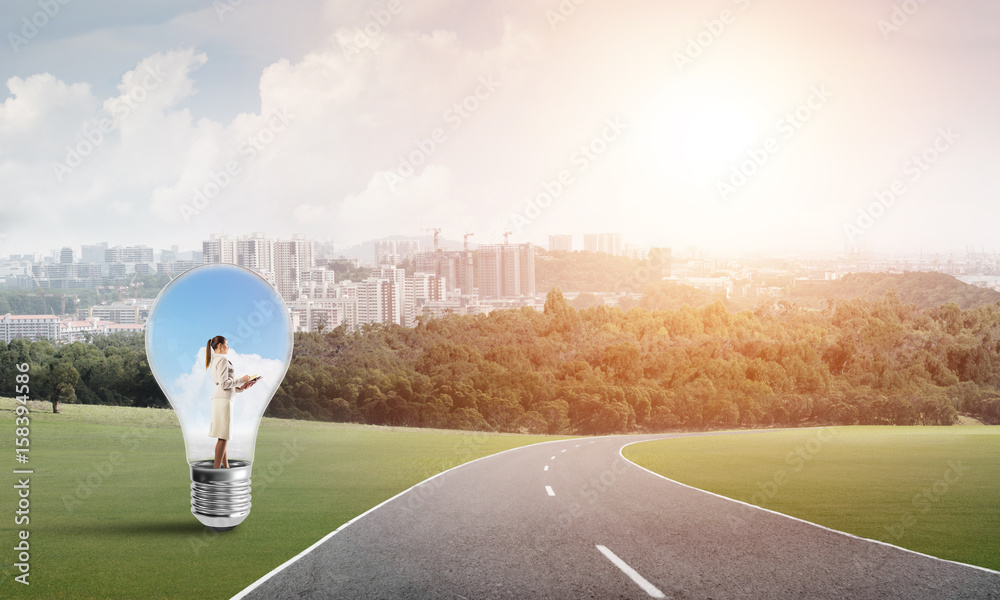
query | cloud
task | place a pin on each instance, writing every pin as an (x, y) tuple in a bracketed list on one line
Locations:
[(313, 159), (420, 200), (163, 174), (40, 113)]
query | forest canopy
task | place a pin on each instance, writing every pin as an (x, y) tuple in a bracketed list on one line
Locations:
[(605, 370)]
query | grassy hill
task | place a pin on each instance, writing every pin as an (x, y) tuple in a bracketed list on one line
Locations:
[(926, 290), (584, 272), (111, 505), (929, 489)]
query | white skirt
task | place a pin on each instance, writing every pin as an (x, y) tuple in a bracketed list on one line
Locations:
[(222, 418)]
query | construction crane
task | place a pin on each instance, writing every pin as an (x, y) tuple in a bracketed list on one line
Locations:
[(118, 288), (437, 233), (133, 286), (466, 275), (437, 250), (506, 235)]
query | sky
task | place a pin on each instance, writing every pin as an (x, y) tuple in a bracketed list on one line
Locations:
[(199, 304), (735, 125)]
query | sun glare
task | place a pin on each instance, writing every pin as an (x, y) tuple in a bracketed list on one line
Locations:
[(698, 131)]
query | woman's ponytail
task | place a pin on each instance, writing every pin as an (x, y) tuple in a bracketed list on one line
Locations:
[(213, 343)]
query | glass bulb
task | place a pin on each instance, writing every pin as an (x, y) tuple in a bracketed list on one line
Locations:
[(240, 305)]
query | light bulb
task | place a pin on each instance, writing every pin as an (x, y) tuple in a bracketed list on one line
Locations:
[(240, 305)]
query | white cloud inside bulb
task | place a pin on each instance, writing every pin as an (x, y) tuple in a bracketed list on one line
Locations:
[(191, 396)]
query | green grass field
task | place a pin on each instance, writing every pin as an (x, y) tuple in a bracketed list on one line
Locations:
[(107, 525), (935, 490)]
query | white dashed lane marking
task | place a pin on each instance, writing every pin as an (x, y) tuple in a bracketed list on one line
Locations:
[(647, 587)]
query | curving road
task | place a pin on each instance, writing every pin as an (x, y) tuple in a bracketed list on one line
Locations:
[(573, 519)]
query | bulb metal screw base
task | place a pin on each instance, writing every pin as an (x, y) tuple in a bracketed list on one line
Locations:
[(220, 498)]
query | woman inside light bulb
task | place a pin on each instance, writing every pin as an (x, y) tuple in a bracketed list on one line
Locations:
[(222, 399)]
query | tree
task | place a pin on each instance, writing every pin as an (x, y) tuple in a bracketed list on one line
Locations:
[(622, 363), (585, 300), (556, 304), (60, 381)]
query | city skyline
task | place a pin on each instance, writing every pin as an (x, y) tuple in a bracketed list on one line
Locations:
[(578, 245), (403, 283), (745, 126)]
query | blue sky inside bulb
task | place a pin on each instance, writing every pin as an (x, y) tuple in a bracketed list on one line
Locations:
[(206, 301)]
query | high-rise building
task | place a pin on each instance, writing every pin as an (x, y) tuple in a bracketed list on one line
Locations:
[(285, 262), (393, 252), (32, 327), (606, 243), (376, 301), (328, 303), (455, 266), (66, 256), (659, 262), (93, 253), (403, 305), (325, 249), (319, 275), (613, 243), (424, 286), (506, 270), (527, 274), (130, 312), (489, 266), (219, 249), (174, 268), (563, 243), (291, 259), (421, 289), (317, 315), (63, 275), (256, 252), (129, 254)]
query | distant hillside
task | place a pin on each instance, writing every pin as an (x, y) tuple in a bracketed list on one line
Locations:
[(926, 290), (584, 272)]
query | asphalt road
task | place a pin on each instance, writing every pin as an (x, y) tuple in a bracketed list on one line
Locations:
[(570, 519)]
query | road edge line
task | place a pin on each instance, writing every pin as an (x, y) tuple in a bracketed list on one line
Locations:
[(242, 593), (774, 512)]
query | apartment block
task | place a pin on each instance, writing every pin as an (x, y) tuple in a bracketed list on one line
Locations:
[(605, 243), (123, 313), (31, 327), (506, 270), (563, 243), (393, 252), (284, 262)]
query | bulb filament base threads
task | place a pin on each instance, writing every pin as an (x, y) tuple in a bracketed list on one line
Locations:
[(220, 498)]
